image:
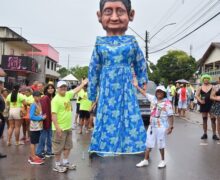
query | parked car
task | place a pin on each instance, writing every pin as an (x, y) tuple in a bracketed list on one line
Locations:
[(144, 104)]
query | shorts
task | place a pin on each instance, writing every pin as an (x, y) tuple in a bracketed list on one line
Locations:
[(84, 115), (35, 137), (14, 114), (156, 136), (77, 108), (182, 104), (62, 143)]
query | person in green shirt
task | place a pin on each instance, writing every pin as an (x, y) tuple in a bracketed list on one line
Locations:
[(77, 107), (85, 108), (15, 100), (26, 115), (62, 125)]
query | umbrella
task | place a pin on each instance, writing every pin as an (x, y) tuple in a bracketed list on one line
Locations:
[(183, 81)]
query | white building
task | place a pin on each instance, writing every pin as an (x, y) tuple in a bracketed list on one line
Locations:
[(210, 62)]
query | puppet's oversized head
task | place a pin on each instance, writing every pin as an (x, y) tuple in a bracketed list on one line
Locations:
[(114, 15)]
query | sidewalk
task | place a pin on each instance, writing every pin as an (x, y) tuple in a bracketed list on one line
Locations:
[(195, 117)]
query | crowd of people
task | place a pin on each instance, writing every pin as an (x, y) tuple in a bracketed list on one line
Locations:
[(32, 109), (203, 99), (45, 112)]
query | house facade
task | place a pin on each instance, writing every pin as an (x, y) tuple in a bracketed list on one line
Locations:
[(14, 59), (210, 62), (48, 59)]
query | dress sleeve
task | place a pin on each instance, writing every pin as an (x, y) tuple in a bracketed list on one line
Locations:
[(140, 66), (94, 75)]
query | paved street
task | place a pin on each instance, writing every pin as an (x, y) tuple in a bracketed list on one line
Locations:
[(187, 160)]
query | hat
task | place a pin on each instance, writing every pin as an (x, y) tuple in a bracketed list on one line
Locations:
[(61, 83), (162, 88), (36, 94)]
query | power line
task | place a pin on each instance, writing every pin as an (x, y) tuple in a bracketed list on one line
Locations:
[(195, 21), (188, 34), (206, 42), (74, 47), (169, 13)]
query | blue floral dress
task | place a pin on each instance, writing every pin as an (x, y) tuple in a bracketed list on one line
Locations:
[(118, 127)]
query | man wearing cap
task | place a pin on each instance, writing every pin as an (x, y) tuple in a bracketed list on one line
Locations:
[(161, 123), (62, 125)]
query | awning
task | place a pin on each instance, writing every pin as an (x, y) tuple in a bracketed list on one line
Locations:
[(70, 77)]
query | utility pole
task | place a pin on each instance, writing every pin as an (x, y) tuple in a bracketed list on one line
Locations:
[(68, 63), (146, 46), (190, 49)]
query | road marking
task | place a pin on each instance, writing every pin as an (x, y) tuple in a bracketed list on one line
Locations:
[(203, 144), (218, 143)]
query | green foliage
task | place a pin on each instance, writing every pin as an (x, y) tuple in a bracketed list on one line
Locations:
[(80, 72), (77, 71), (63, 72), (173, 66)]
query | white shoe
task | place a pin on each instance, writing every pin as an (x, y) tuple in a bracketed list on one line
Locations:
[(162, 164), (74, 126), (142, 163)]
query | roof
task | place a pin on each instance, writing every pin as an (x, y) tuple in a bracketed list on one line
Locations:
[(70, 77), (17, 38), (46, 50), (213, 46)]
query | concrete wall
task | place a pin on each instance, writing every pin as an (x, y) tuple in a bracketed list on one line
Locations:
[(17, 48), (43, 70), (40, 76)]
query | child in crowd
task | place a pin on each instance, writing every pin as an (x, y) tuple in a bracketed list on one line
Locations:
[(85, 107), (26, 118), (36, 126), (161, 123)]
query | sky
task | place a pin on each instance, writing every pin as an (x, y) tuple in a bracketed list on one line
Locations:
[(71, 26)]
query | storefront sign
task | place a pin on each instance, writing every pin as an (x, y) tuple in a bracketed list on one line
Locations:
[(19, 63)]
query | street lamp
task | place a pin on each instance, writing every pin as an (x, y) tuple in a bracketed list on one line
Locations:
[(170, 24), (147, 39)]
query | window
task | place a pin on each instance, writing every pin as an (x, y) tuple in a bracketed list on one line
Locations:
[(52, 65), (55, 67), (48, 64)]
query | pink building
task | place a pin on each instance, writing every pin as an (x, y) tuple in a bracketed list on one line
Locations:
[(47, 58)]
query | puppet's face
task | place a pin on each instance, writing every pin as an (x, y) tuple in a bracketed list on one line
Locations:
[(115, 18)]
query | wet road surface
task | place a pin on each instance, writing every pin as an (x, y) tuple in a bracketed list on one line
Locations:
[(186, 160)]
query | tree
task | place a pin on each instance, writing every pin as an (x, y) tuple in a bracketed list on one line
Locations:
[(63, 72), (80, 72), (154, 75), (173, 66)]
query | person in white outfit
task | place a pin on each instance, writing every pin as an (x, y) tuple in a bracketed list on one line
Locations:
[(161, 123)]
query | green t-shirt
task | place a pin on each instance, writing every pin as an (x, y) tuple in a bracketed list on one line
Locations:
[(80, 93), (173, 90), (85, 103), (29, 99), (61, 106), (18, 103)]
